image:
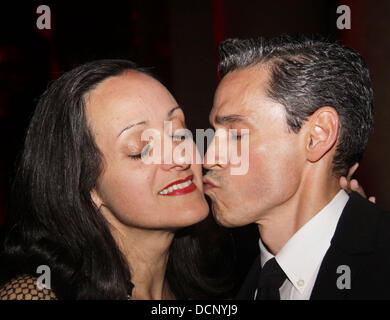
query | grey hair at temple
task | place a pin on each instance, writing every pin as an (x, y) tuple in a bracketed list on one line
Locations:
[(307, 74)]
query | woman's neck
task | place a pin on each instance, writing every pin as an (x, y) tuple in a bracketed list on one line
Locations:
[(147, 253)]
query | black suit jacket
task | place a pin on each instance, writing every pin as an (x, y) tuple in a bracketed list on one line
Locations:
[(361, 242)]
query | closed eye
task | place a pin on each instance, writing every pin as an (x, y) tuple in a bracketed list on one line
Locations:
[(236, 136), (182, 136), (144, 152)]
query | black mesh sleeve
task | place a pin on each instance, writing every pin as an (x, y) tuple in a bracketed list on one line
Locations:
[(24, 287)]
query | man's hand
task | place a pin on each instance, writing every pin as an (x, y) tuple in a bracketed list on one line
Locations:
[(353, 185)]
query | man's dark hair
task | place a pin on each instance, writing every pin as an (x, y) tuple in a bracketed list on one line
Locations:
[(307, 74)]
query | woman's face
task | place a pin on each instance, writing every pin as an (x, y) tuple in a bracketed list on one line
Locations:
[(129, 190)]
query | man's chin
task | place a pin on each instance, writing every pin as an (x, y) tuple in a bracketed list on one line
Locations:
[(224, 218)]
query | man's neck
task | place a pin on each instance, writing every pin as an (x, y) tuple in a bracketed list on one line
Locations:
[(282, 222)]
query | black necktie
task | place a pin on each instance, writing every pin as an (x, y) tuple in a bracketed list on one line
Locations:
[(271, 279)]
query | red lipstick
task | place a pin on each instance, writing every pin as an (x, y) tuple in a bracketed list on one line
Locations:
[(181, 189)]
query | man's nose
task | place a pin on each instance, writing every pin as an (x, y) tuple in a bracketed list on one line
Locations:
[(216, 154)]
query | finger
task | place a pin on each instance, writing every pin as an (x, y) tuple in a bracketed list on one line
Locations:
[(354, 185), (344, 184), (352, 170), (372, 199)]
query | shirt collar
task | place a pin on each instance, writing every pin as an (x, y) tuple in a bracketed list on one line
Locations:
[(302, 255)]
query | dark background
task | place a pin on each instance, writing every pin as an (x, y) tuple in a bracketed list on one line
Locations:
[(179, 40)]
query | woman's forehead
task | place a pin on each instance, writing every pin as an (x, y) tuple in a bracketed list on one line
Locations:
[(130, 97), (133, 86)]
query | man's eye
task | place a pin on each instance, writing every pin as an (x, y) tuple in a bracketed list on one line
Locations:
[(181, 137), (236, 136), (144, 152)]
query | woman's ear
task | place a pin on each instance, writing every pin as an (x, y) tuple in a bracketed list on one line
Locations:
[(323, 129), (96, 198)]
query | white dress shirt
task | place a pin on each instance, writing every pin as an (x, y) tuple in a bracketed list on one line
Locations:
[(302, 255)]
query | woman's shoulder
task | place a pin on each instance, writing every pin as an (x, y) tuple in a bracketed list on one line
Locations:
[(24, 287)]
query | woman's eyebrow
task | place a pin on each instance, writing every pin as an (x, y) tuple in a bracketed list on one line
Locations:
[(132, 125), (170, 112)]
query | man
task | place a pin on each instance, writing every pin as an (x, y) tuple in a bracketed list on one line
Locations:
[(308, 105)]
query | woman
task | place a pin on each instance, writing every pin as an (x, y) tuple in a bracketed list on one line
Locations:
[(88, 207), (107, 224)]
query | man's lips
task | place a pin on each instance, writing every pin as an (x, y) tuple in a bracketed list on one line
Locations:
[(179, 187), (208, 184)]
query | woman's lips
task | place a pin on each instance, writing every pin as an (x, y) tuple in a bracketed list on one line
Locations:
[(179, 187)]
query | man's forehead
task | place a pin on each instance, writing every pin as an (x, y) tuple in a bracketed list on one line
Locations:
[(239, 94)]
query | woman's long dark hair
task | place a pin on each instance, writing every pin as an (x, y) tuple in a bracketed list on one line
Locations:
[(54, 221)]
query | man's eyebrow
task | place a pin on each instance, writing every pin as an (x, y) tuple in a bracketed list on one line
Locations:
[(132, 125), (231, 118), (173, 110)]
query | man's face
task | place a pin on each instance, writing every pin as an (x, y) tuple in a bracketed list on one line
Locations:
[(275, 157)]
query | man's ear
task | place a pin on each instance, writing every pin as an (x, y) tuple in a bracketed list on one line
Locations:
[(96, 198), (323, 130)]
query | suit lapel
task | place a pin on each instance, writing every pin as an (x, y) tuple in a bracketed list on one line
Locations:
[(248, 288), (336, 264), (353, 241)]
